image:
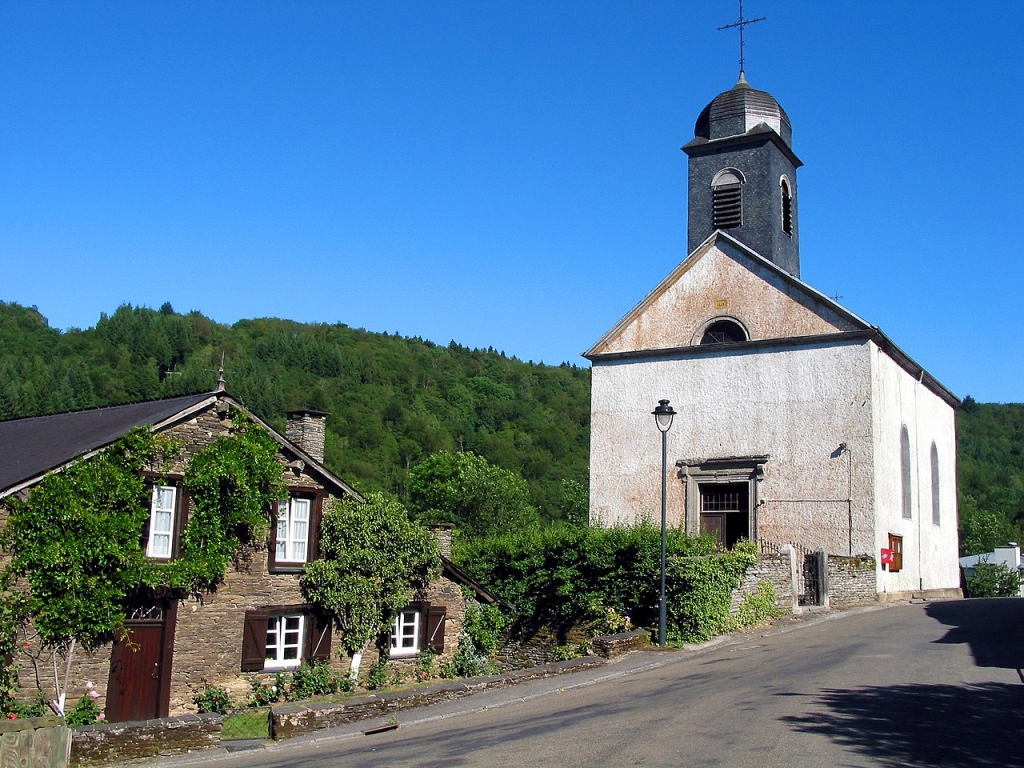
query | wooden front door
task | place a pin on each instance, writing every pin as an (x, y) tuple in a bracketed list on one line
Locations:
[(140, 665)]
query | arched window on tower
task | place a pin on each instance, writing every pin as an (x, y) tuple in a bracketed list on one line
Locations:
[(787, 206), (723, 332), (727, 199), (905, 473)]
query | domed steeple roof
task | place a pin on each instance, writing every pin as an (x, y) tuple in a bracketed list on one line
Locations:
[(740, 109)]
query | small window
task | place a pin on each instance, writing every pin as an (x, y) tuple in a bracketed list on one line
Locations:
[(896, 546), (723, 332), (161, 521), (727, 199), (936, 517), (420, 625), (787, 207), (405, 634), (284, 641), (907, 494), (281, 636), (292, 530)]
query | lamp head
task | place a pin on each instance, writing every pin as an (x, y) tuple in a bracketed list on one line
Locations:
[(663, 415)]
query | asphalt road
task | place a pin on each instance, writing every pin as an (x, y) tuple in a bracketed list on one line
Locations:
[(937, 684)]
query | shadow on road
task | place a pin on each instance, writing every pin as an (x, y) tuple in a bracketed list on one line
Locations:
[(924, 725), (991, 628)]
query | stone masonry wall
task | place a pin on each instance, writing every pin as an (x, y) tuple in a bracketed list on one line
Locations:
[(770, 567), (851, 581)]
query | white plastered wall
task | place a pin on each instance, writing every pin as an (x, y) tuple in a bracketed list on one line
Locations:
[(795, 404), (929, 551)]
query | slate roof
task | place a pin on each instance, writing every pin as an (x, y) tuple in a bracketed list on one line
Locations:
[(30, 447), (735, 111)]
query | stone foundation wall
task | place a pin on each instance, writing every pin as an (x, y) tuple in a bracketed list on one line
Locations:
[(851, 581), (36, 742)]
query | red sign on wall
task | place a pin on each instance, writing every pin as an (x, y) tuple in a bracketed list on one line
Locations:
[(888, 557)]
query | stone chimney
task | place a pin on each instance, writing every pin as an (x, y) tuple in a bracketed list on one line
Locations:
[(306, 429), (443, 533)]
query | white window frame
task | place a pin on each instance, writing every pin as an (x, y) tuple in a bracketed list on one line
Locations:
[(159, 514), (294, 517), (405, 635), (289, 626)]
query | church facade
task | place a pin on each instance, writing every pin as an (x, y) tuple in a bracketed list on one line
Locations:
[(797, 421)]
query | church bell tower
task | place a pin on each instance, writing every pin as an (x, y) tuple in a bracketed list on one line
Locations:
[(742, 175)]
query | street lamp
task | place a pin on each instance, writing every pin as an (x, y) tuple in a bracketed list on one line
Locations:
[(663, 416)]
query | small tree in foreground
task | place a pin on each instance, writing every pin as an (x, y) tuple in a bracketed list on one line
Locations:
[(370, 556)]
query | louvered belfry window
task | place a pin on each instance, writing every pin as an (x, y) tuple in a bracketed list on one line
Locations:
[(787, 207), (727, 200)]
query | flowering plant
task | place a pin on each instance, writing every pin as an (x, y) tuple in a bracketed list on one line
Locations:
[(86, 711)]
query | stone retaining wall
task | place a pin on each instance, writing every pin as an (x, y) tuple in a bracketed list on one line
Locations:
[(293, 720), (769, 567), (610, 646), (119, 743), (110, 744), (34, 742), (851, 581)]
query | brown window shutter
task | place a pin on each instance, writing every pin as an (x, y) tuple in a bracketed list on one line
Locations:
[(318, 639), (434, 637), (180, 521), (272, 541), (315, 517), (254, 640)]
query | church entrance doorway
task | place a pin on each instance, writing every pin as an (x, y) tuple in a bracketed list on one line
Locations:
[(725, 512)]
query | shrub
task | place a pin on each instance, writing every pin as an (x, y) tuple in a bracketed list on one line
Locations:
[(468, 661), (382, 676), (993, 580), (85, 712), (213, 698), (485, 626), (757, 608), (264, 694), (317, 679)]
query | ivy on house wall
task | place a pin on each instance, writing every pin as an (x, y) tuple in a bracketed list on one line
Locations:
[(232, 483), (76, 543)]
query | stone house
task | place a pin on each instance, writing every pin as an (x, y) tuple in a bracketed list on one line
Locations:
[(255, 622), (797, 421)]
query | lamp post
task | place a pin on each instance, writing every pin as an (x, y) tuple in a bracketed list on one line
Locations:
[(663, 416)]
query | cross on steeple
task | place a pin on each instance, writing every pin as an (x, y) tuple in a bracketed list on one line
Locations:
[(741, 23)]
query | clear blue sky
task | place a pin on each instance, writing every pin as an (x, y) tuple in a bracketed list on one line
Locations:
[(504, 174)]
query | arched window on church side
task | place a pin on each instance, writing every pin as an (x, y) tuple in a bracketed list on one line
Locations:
[(905, 472), (787, 206), (935, 485), (726, 199), (723, 332)]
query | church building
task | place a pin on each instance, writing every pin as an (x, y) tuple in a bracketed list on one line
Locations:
[(797, 421)]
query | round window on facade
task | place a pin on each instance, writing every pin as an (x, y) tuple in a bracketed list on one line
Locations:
[(724, 332)]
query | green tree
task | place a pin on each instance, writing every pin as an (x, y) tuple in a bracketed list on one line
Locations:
[(993, 580), (465, 489), (371, 555), (75, 542)]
